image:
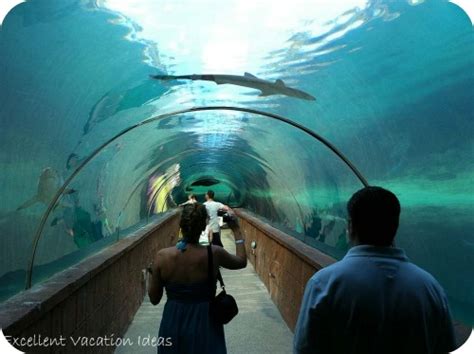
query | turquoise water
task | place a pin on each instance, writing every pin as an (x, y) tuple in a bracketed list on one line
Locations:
[(393, 82)]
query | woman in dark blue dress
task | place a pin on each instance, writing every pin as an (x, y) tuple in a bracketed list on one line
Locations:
[(182, 271)]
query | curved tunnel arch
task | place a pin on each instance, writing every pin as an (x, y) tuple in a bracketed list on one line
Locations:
[(263, 114), (406, 127)]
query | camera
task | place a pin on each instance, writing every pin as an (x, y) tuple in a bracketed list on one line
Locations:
[(226, 216)]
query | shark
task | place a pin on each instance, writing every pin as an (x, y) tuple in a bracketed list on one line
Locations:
[(48, 184), (267, 88)]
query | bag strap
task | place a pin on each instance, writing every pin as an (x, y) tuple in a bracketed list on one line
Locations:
[(210, 269)]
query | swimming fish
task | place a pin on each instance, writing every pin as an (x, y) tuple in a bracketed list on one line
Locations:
[(118, 100), (207, 181), (267, 88), (48, 184)]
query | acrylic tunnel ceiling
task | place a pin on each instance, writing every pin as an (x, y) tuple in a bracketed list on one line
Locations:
[(393, 87)]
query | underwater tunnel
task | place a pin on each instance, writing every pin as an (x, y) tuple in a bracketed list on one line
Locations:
[(286, 111)]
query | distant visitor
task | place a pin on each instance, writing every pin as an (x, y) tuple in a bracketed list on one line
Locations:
[(213, 208)]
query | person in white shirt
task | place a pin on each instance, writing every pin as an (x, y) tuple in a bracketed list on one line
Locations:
[(212, 208)]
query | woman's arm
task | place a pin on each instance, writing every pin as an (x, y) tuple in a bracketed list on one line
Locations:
[(230, 261), (155, 289), (209, 234)]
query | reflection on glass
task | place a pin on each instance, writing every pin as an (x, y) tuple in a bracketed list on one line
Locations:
[(159, 190)]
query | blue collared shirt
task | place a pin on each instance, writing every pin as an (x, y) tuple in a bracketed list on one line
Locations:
[(374, 301)]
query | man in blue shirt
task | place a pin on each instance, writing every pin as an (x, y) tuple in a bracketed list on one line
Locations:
[(374, 300)]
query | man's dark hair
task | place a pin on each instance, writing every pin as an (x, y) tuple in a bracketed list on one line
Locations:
[(374, 213), (210, 194), (193, 221)]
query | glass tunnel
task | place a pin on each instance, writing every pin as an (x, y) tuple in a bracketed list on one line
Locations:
[(318, 101)]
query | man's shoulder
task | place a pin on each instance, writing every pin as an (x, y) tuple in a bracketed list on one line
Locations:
[(349, 268), (421, 275), (331, 271), (212, 203), (340, 271)]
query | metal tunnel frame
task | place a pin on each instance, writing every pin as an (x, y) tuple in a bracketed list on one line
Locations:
[(60, 191)]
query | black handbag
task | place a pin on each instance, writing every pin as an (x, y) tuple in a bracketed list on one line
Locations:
[(222, 308)]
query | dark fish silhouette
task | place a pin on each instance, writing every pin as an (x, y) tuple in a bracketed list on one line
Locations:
[(206, 182)]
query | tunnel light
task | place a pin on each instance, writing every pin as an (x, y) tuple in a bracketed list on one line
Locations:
[(235, 36), (467, 6), (6, 6), (466, 348)]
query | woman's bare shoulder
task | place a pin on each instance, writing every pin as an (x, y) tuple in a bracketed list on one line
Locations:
[(165, 253), (168, 249)]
